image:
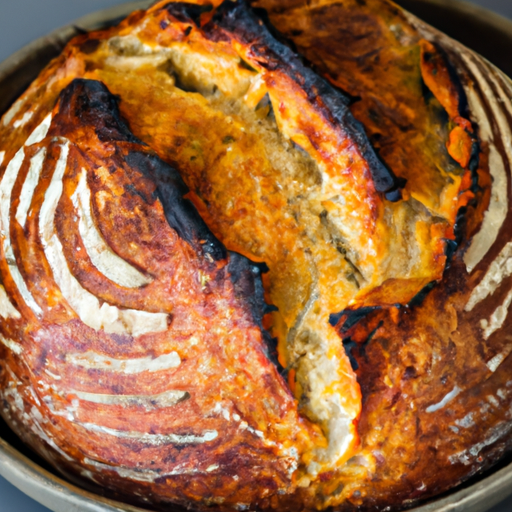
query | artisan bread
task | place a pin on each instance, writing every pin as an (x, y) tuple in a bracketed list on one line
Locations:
[(211, 246)]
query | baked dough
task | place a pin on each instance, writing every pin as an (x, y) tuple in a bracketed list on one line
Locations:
[(204, 258)]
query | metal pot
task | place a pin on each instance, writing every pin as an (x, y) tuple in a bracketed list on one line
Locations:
[(488, 34)]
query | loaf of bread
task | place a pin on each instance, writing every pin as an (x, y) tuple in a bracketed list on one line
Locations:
[(254, 257)]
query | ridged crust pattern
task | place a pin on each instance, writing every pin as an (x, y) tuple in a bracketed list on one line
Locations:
[(163, 180)]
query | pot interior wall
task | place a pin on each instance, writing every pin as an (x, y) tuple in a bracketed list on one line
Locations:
[(488, 34)]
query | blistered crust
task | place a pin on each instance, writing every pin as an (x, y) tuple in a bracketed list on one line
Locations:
[(142, 385), (207, 303)]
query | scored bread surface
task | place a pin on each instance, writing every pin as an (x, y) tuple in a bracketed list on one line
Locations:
[(205, 261)]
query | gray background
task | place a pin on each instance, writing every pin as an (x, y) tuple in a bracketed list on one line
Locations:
[(21, 21)]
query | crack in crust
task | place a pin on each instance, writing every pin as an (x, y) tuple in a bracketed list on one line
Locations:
[(231, 143)]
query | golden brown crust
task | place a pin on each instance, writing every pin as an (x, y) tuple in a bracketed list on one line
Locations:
[(159, 407), (410, 360), (372, 51)]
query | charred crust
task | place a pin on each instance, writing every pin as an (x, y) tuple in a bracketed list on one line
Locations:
[(460, 227), (246, 278), (474, 163), (185, 12), (180, 213), (352, 317), (349, 345), (90, 103), (421, 295), (463, 105), (238, 19), (450, 249)]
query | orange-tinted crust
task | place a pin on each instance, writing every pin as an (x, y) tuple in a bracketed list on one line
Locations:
[(418, 352), (221, 351)]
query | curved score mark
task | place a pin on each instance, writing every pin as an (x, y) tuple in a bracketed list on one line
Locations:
[(497, 319), (102, 256), (85, 304), (94, 361), (143, 475), (11, 345), (149, 402), (7, 310), (499, 270), (31, 181), (153, 439), (40, 132), (497, 212), (15, 108), (6, 186)]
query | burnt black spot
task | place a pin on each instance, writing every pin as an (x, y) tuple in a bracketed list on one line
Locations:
[(89, 102), (459, 230), (180, 213), (350, 346), (393, 196), (238, 19), (90, 46), (420, 296), (410, 373), (185, 12), (396, 194), (352, 317), (246, 278), (262, 267), (334, 318), (474, 160), (427, 56), (449, 250)]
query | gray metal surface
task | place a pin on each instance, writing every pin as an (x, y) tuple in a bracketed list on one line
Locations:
[(20, 23), (49, 490), (503, 7)]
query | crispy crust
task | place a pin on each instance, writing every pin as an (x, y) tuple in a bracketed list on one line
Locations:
[(155, 407), (151, 164)]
